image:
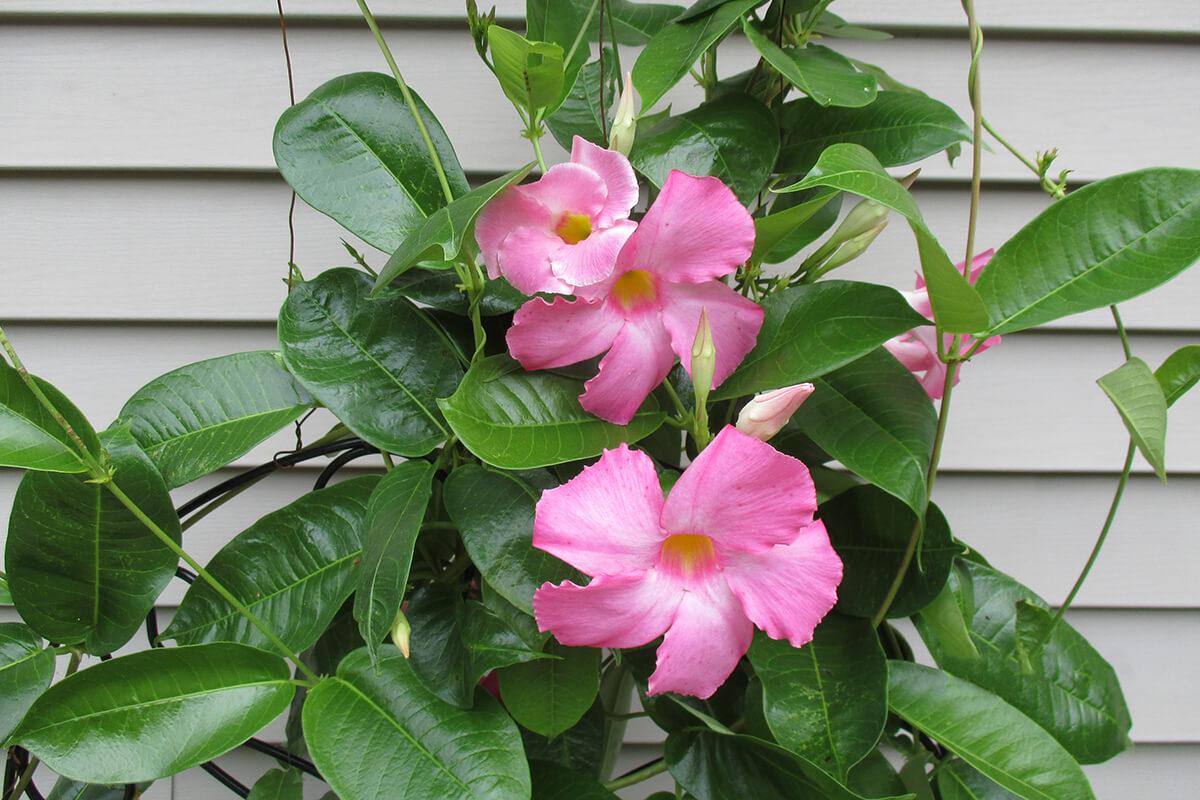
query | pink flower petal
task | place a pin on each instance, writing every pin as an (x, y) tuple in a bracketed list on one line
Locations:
[(523, 258), (614, 169), (612, 611), (568, 189), (639, 360), (507, 212), (743, 493), (707, 638), (604, 521), (695, 231), (591, 260), (790, 588), (547, 335), (911, 352), (735, 322)]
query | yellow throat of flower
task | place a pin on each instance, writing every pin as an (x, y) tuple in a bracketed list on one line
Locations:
[(574, 228), (634, 288), (688, 553)]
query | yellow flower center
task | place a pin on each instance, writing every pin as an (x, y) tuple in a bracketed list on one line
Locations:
[(574, 228), (688, 553), (634, 288)]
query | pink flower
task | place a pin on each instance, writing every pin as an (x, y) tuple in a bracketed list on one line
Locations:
[(734, 545), (917, 349), (767, 413), (647, 311), (565, 229)]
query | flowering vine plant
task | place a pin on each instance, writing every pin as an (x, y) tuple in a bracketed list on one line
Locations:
[(624, 447)]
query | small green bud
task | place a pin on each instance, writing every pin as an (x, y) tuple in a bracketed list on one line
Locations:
[(400, 633), (704, 359), (624, 127)]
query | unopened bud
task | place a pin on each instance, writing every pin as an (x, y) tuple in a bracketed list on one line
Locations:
[(624, 126), (867, 215), (854, 248), (767, 413), (400, 633), (704, 359)]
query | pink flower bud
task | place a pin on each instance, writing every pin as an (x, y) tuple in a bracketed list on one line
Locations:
[(624, 127), (767, 413)]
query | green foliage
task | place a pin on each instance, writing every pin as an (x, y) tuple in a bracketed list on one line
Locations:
[(551, 695), (30, 438), (822, 74), (1139, 399), (1179, 373), (26, 669)]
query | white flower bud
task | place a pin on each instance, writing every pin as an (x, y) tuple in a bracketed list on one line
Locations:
[(624, 127), (767, 413)]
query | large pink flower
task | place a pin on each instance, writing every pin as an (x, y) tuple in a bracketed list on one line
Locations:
[(735, 545), (917, 349), (565, 229), (647, 312)]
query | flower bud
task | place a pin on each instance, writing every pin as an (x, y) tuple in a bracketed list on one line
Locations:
[(854, 248), (704, 359), (400, 633), (624, 126), (867, 215), (767, 413)]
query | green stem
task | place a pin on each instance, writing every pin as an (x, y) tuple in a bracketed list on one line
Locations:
[(408, 99), (1048, 185), (389, 463), (579, 37), (1116, 315), (535, 137), (638, 775), (679, 407)]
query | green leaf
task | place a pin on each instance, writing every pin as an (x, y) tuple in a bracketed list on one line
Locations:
[(830, 24), (561, 23), (67, 789), (734, 138), (514, 419), (813, 329), (1179, 372), (957, 780), (197, 418), (1103, 244), (824, 75), (549, 696), (395, 512), (630, 22), (494, 514), (875, 776), (154, 713), (852, 168), (701, 7), (772, 232), (668, 56), (1066, 687), (870, 530), (352, 150), (1139, 400), (1034, 626), (530, 73), (553, 781), (377, 362), (376, 728), (582, 748), (278, 784), (825, 701), (26, 669), (32, 439), (579, 114), (875, 418), (5, 595), (293, 568), (898, 128), (1010, 748), (439, 289), (82, 568)]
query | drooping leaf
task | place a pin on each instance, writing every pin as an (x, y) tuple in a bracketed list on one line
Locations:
[(553, 781), (579, 114), (823, 74), (198, 418), (628, 21), (353, 151), (514, 419), (986, 732), (1179, 372), (1066, 687), (30, 438), (734, 138), (377, 362), (773, 231), (549, 696), (813, 329), (494, 514), (81, 567), (957, 780), (1139, 399), (875, 776), (395, 511), (827, 700), (293, 568), (531, 73), (377, 728), (830, 24), (154, 713), (26, 669), (278, 784)]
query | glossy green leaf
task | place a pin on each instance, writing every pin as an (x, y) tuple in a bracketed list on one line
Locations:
[(628, 21), (734, 138), (1179, 372), (827, 700), (549, 696), (561, 23), (376, 729), (530, 73), (514, 419), (875, 776), (830, 24), (395, 512), (898, 128), (1103, 244), (823, 74), (494, 514), (5, 595), (582, 748), (377, 362), (198, 418), (1010, 749), (553, 781), (852, 168), (1140, 401), (582, 112), (1066, 687), (30, 438), (701, 7), (772, 232), (352, 150), (278, 784), (440, 290), (815, 328), (82, 569), (440, 237), (875, 418), (26, 669), (957, 780), (668, 56), (293, 568), (155, 713), (67, 789)]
